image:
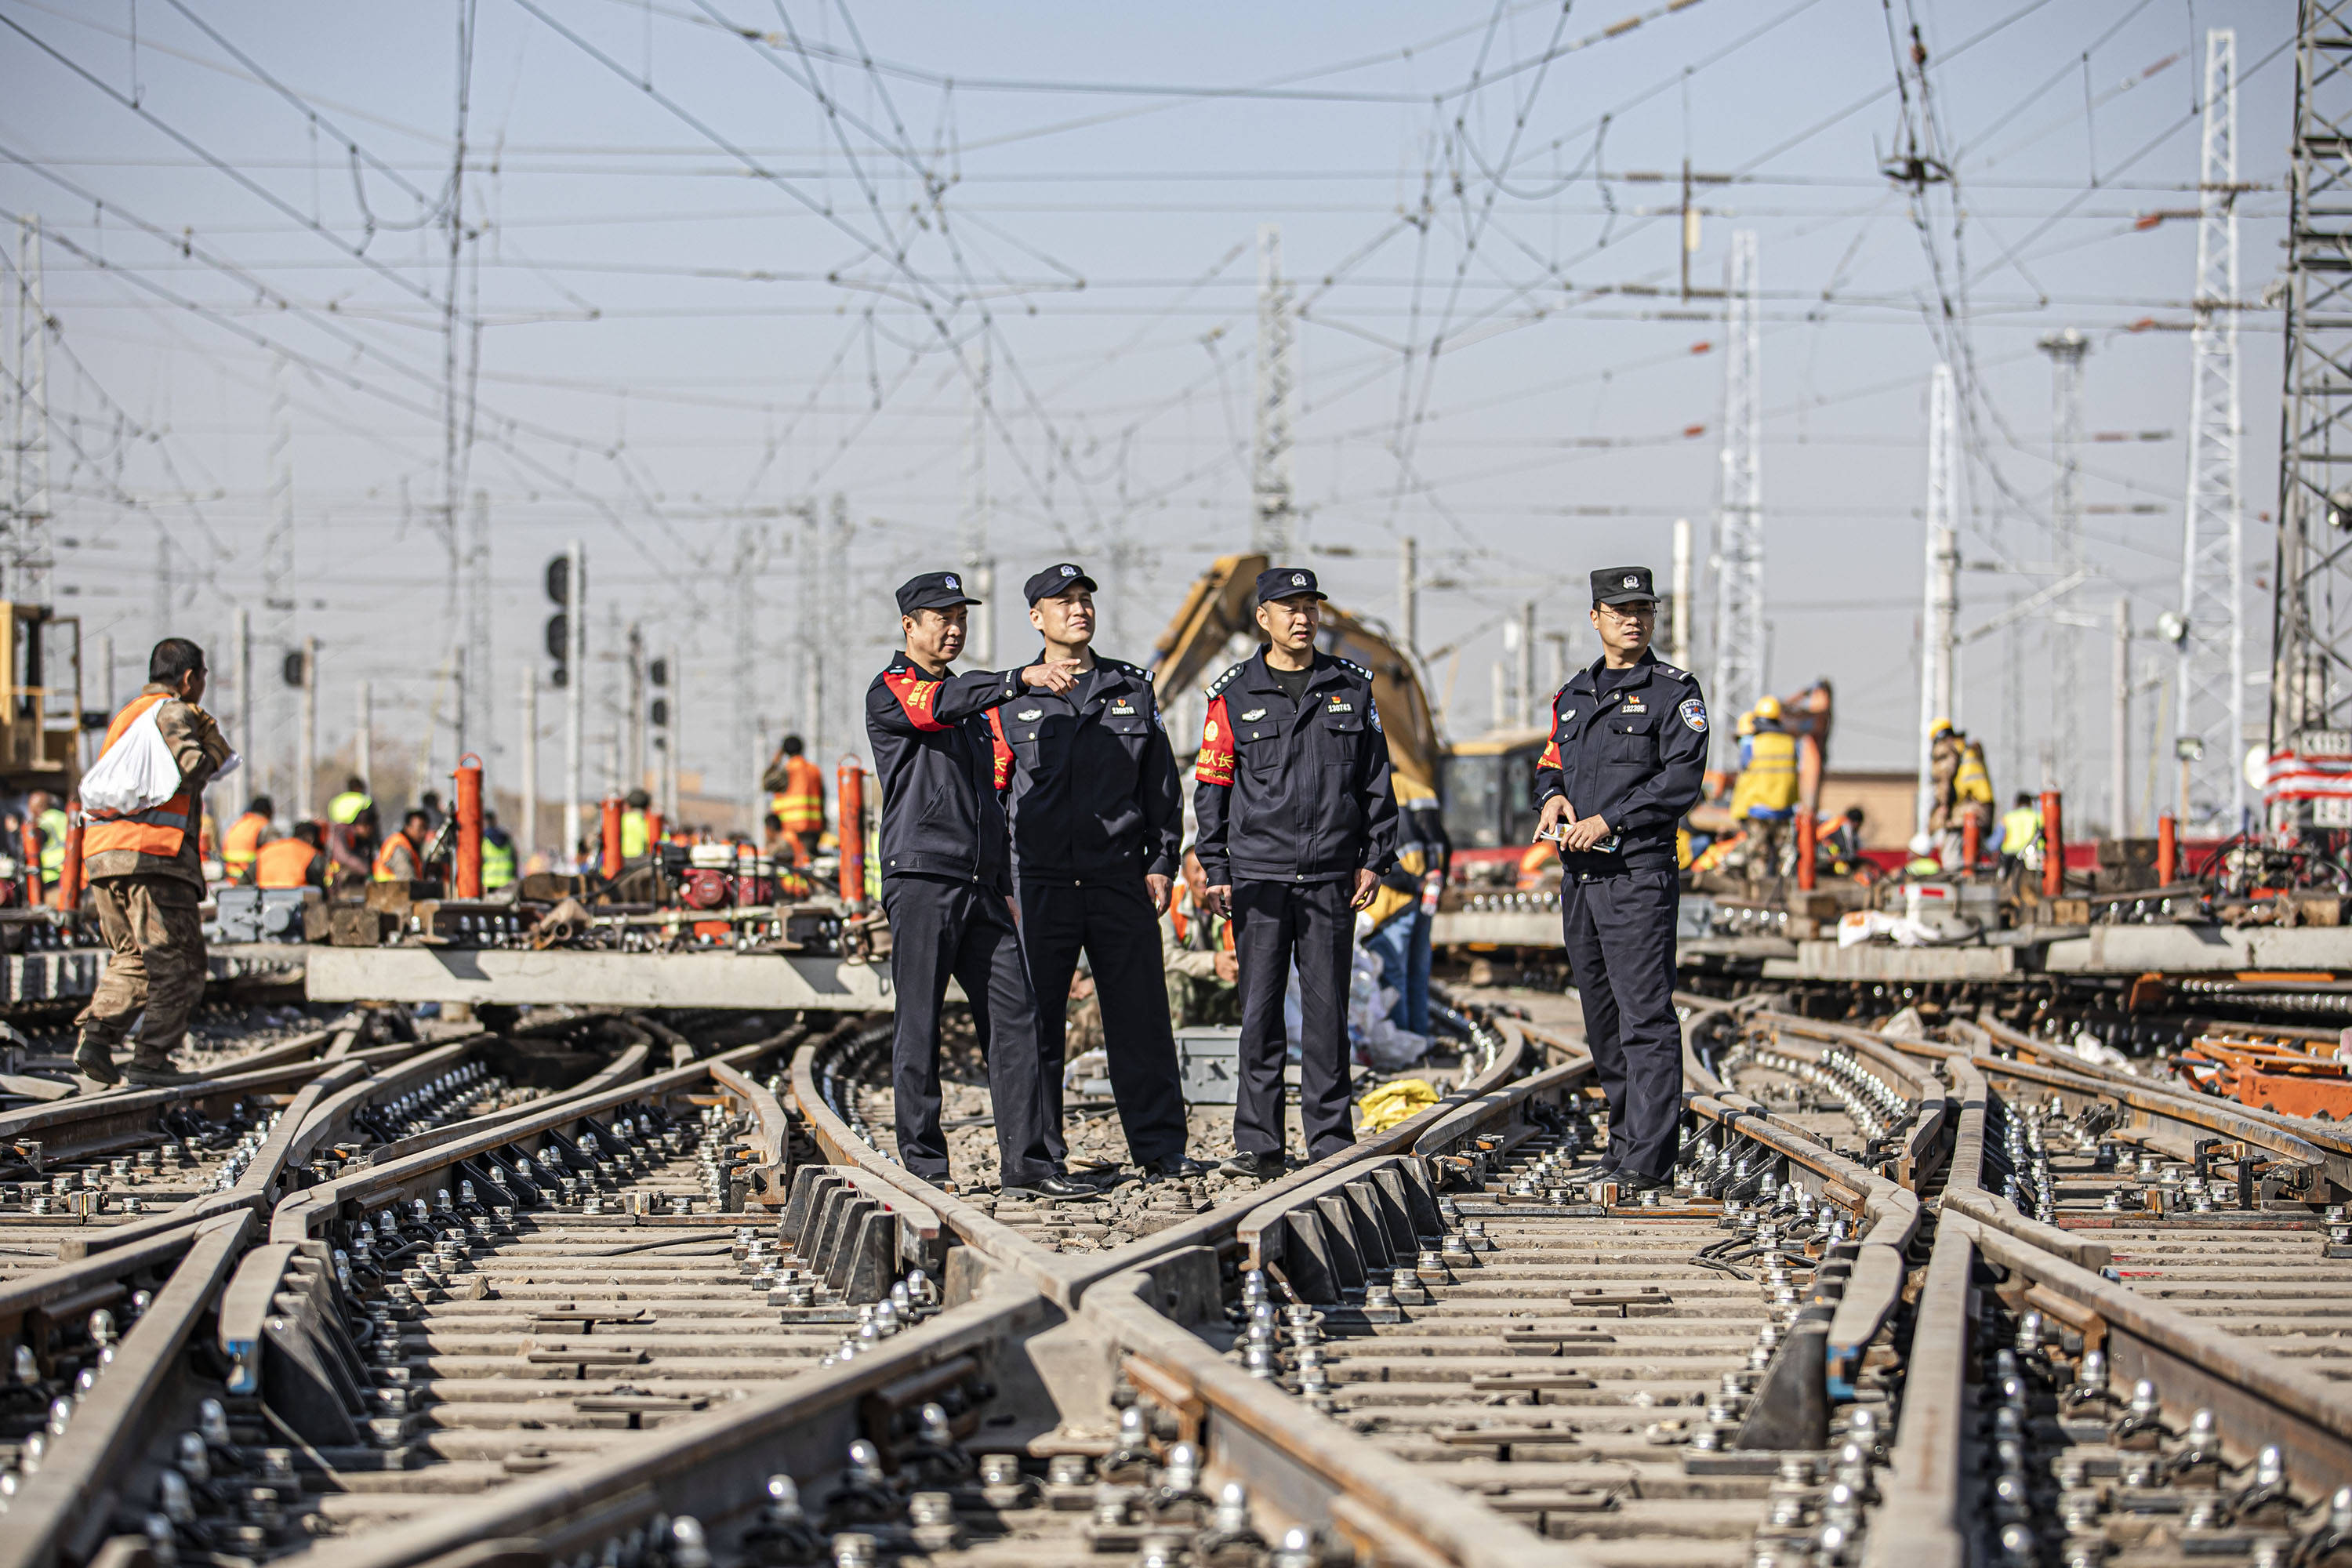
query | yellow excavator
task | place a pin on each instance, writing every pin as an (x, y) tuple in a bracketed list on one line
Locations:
[(1218, 608)]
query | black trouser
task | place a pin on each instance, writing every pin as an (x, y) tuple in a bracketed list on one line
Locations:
[(1115, 923), (940, 928), (1275, 924), (1620, 933)]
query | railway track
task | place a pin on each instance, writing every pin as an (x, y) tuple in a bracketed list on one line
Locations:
[(1900, 1303)]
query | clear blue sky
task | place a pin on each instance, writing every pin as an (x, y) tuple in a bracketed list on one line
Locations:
[(719, 269)]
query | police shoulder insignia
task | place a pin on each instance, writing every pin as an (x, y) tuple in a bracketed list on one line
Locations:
[(1351, 664), (1694, 714), (1665, 669), (1227, 680)]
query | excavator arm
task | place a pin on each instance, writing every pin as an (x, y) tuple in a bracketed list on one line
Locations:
[(1219, 606)]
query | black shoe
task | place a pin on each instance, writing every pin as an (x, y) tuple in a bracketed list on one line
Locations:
[(1053, 1189), (1261, 1167), (1630, 1185), (95, 1063), (1173, 1168)]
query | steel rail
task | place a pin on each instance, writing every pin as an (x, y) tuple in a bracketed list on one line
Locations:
[(64, 1509)]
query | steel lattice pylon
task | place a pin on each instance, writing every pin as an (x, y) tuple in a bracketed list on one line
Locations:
[(1739, 681), (2213, 552), (2311, 669), (1273, 522)]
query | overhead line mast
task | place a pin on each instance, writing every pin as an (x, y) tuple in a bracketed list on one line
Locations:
[(1739, 681), (2310, 729), (2212, 713)]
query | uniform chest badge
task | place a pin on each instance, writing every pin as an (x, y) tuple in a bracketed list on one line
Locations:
[(1343, 708), (1123, 710), (1030, 715), (1634, 705), (1254, 715)]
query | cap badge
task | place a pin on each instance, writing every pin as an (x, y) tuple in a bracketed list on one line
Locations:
[(1069, 571), (1298, 579), (1631, 582), (950, 582)]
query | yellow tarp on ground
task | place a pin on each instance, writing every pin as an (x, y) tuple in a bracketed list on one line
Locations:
[(1391, 1103)]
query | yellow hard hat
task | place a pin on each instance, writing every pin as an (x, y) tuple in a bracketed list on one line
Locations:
[(1747, 725), (1767, 707), (1939, 726)]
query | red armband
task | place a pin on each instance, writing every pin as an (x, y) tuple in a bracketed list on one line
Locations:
[(1001, 751), (1216, 763), (916, 695), (1550, 758)]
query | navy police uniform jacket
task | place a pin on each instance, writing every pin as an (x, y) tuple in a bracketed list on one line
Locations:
[(1633, 758), (1094, 790), (939, 748), (1293, 793)]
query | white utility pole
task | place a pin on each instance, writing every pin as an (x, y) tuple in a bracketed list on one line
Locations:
[(527, 830), (576, 697), (2065, 350), (2119, 823), (306, 762), (479, 730), (980, 641), (674, 734), (363, 733), (2213, 547), (1273, 520), (1678, 627), (1409, 594), (240, 637), (1938, 645), (29, 491), (1529, 701), (1738, 682), (278, 601)]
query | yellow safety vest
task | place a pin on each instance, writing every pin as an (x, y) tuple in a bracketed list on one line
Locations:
[(1972, 783), (2019, 828), (53, 844), (633, 834), (1769, 782), (498, 864), (345, 808)]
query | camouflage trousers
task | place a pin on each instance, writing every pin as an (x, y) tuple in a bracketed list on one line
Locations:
[(157, 941)]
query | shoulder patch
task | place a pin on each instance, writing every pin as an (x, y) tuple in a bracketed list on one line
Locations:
[(1227, 679)]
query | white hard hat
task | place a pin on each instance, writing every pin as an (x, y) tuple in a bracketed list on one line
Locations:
[(1922, 844)]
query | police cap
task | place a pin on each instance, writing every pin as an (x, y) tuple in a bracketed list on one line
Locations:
[(1622, 585), (932, 591), (1286, 583), (1056, 580)]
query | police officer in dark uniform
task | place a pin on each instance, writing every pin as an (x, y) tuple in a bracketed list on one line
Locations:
[(1097, 824), (1296, 824), (1628, 746), (939, 748)]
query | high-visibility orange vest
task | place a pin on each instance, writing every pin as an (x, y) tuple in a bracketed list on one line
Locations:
[(800, 806), (159, 830), (283, 863), (384, 870), (241, 843)]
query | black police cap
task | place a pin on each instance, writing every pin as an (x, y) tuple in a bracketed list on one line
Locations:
[(1622, 585), (1286, 583), (1058, 579), (932, 591)]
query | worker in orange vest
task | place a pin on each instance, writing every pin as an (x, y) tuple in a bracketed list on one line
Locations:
[(401, 859), (796, 794), (294, 861), (147, 884), (245, 837)]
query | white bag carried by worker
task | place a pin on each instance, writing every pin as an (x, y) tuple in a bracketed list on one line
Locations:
[(138, 773)]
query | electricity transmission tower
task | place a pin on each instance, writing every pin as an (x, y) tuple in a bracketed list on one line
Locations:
[(1274, 524), (27, 379), (2212, 719), (2065, 350), (1939, 647), (277, 601), (1739, 681), (2311, 635), (979, 566)]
